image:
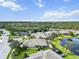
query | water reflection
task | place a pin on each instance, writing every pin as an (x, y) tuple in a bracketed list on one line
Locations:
[(71, 44)]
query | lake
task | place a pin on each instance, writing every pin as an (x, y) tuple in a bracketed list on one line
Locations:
[(71, 44)]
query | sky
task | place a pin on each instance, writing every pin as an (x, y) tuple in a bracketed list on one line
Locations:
[(39, 10)]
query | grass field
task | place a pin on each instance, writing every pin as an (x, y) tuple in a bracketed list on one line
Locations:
[(21, 53)]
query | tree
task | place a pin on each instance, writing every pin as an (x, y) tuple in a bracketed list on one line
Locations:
[(25, 55), (71, 33)]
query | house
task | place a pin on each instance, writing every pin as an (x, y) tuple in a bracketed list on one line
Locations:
[(42, 35), (48, 54), (38, 35), (21, 33), (34, 42), (65, 32)]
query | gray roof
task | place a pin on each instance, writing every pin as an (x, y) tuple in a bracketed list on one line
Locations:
[(48, 54), (34, 42)]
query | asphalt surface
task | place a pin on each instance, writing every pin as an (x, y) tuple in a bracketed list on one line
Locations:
[(4, 45)]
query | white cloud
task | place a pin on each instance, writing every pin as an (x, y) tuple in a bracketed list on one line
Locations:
[(39, 3), (61, 15), (1, 1), (11, 5)]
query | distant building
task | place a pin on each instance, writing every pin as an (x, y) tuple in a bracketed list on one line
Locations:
[(42, 35), (21, 33), (65, 32)]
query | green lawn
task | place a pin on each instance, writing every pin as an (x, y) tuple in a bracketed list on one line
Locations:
[(21, 53), (56, 43)]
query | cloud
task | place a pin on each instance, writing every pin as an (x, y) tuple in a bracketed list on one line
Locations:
[(60, 15), (11, 5), (39, 3), (1, 1)]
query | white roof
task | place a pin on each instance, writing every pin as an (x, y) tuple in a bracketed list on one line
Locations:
[(42, 34)]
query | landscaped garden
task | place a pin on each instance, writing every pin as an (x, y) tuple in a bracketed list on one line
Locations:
[(67, 45)]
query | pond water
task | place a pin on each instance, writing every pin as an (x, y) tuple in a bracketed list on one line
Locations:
[(71, 44)]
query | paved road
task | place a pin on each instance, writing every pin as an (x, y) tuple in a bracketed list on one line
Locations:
[(4, 45)]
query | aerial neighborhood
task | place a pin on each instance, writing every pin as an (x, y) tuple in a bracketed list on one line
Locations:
[(39, 29), (46, 44)]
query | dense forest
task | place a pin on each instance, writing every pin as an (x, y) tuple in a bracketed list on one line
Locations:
[(38, 26)]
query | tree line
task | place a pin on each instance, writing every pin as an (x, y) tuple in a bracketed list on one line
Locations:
[(38, 26)]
